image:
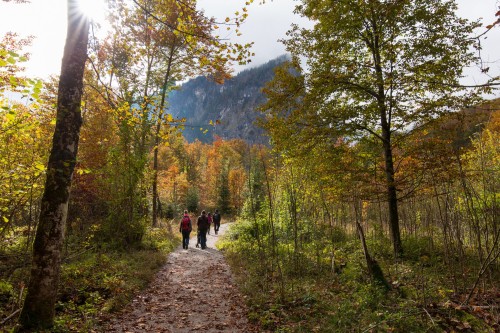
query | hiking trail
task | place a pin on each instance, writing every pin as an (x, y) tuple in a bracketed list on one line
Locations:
[(193, 292)]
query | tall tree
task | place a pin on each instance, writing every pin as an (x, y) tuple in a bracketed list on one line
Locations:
[(156, 43), (38, 309), (377, 67)]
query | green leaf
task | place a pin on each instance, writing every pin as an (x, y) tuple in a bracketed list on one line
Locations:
[(13, 81)]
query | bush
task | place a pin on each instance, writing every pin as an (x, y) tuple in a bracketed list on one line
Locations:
[(417, 247), (6, 292)]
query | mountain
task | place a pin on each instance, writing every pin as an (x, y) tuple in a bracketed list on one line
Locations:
[(231, 106)]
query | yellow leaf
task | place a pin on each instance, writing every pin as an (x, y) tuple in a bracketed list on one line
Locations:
[(40, 167)]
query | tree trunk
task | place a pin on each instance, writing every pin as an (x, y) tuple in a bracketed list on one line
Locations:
[(156, 198), (372, 265), (392, 197), (38, 309), (385, 124)]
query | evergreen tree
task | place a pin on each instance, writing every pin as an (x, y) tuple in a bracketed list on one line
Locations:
[(192, 199), (224, 195)]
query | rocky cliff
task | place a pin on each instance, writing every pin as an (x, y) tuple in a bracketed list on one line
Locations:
[(231, 106)]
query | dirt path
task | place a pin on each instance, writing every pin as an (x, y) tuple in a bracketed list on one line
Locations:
[(193, 292)]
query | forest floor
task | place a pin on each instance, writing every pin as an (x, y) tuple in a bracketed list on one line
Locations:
[(193, 292)]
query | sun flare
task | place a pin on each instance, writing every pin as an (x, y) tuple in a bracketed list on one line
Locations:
[(92, 9)]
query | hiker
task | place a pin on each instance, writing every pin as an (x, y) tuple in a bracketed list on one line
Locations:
[(216, 219), (185, 228), (198, 238), (209, 217), (202, 229)]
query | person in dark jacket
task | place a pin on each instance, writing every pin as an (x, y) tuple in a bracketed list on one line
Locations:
[(216, 218), (203, 228), (185, 228)]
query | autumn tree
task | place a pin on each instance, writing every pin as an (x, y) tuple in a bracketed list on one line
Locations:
[(377, 68), (22, 135), (153, 45)]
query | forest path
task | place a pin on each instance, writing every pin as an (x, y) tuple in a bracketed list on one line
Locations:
[(193, 292)]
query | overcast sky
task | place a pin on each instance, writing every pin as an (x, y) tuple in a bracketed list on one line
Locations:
[(265, 25)]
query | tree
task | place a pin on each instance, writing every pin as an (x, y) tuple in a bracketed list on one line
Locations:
[(223, 197), (38, 309), (23, 147), (192, 200), (153, 45), (376, 68)]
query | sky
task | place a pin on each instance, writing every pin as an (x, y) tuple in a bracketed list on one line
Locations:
[(265, 25)]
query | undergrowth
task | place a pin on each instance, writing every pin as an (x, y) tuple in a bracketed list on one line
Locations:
[(94, 282), (304, 292)]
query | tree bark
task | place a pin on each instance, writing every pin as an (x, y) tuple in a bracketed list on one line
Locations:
[(38, 309), (372, 265), (385, 124), (156, 197), (392, 197)]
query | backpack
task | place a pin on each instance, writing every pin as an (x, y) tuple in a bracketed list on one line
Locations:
[(185, 223)]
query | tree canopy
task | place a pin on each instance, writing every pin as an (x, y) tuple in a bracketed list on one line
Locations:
[(377, 68)]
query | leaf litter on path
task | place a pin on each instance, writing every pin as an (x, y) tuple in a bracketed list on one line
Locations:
[(193, 292)]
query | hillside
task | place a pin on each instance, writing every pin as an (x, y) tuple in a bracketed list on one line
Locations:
[(232, 103)]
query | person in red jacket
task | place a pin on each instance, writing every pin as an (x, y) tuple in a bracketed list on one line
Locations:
[(185, 228)]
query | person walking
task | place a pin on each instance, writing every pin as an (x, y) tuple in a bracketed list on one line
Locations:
[(185, 228), (198, 238), (203, 228), (209, 217), (216, 218)]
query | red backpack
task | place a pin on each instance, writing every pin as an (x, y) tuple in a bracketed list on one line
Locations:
[(185, 223)]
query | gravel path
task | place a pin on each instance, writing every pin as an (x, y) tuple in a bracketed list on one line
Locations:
[(193, 292)]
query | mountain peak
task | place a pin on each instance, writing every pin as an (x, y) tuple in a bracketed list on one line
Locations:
[(230, 107)]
